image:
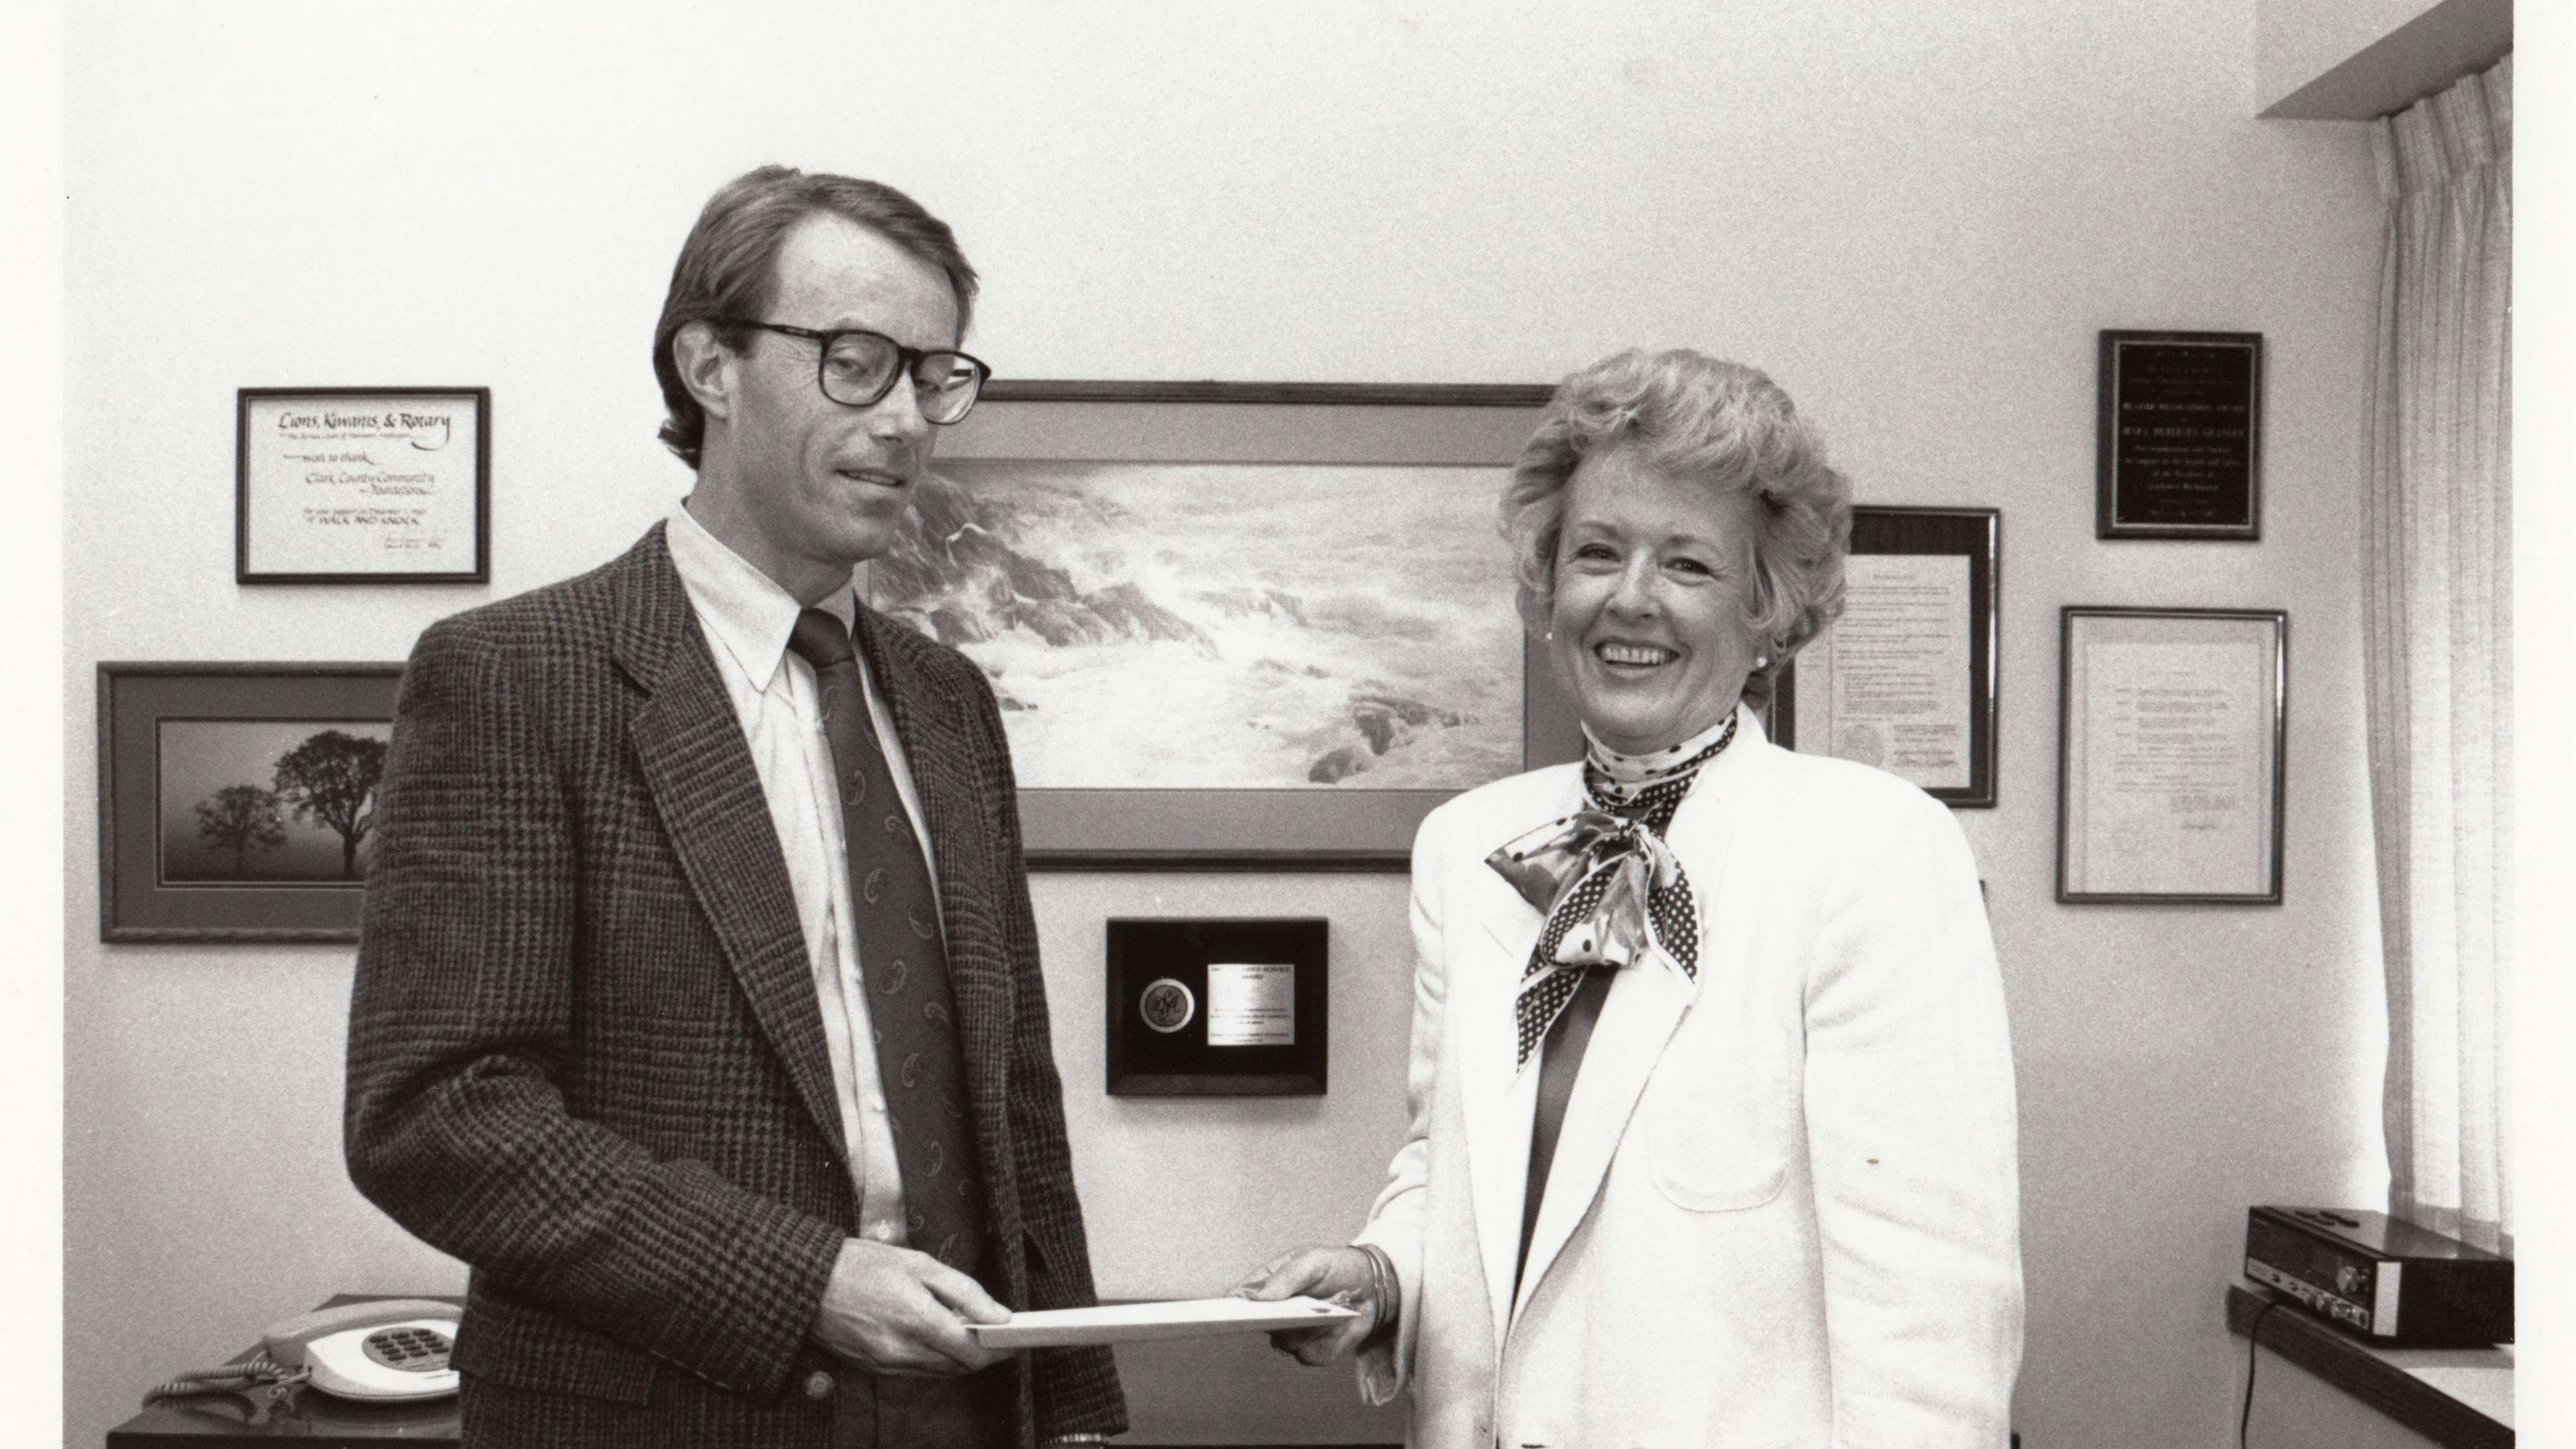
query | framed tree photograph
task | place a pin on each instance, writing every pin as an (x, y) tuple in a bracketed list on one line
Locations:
[(362, 485), (1905, 679), (236, 800), (2179, 436), (1234, 626), (2172, 728)]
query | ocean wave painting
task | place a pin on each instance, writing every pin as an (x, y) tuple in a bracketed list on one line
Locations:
[(1225, 626)]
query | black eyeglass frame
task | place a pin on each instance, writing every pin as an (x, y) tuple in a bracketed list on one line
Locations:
[(905, 359)]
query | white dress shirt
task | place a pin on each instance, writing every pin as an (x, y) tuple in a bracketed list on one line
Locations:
[(747, 618)]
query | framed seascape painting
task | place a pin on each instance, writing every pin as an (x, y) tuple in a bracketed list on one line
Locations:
[(1234, 626), (235, 799)]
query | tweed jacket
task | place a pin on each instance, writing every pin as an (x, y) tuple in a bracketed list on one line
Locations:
[(585, 1054), (1783, 1209)]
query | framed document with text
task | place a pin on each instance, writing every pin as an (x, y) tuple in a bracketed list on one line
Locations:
[(2179, 436), (1905, 679), (2172, 725), (363, 485)]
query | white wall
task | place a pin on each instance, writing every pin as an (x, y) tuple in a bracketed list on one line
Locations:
[(1916, 217)]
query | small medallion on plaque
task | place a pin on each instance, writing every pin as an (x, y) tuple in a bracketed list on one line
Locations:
[(1167, 1005)]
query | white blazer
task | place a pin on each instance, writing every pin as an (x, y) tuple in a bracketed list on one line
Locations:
[(1784, 1204)]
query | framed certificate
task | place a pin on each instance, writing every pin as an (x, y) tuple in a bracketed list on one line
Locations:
[(1217, 1007), (2172, 725), (2179, 436), (357, 485), (1905, 679)]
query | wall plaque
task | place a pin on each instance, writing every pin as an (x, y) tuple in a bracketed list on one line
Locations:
[(1217, 1007), (2179, 436), (359, 485)]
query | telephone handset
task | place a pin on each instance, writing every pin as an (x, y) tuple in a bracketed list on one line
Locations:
[(387, 1349)]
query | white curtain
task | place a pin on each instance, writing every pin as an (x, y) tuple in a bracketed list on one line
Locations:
[(2438, 630)]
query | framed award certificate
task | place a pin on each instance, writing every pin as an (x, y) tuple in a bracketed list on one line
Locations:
[(358, 485), (2172, 724), (1905, 679)]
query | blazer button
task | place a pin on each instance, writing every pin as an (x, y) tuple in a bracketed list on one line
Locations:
[(818, 1385)]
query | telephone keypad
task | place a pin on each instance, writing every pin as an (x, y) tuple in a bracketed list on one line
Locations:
[(412, 1350)]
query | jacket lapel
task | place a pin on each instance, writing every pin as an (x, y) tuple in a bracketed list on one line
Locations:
[(1497, 1099), (1647, 1003), (708, 794), (938, 746)]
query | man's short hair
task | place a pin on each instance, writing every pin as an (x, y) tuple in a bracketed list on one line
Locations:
[(728, 266)]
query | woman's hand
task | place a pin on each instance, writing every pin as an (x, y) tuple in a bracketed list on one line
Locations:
[(1343, 1275)]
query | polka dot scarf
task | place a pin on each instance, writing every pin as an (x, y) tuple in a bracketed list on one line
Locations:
[(1606, 881)]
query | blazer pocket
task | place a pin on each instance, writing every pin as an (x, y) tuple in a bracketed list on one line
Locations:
[(1719, 1136), (527, 1347)]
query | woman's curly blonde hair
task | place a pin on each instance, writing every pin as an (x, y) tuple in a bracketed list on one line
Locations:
[(1725, 425)]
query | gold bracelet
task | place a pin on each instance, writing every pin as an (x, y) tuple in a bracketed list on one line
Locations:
[(1382, 1287)]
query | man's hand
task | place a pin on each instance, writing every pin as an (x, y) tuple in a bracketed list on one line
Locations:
[(894, 1311), (1319, 1270)]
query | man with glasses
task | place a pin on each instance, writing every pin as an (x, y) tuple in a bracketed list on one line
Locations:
[(698, 1006)]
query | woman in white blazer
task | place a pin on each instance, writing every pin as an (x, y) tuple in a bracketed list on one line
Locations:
[(1712, 1125)]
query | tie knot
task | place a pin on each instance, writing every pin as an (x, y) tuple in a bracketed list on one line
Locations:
[(819, 640)]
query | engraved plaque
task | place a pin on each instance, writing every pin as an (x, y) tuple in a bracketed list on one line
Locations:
[(1227, 1007), (2179, 451)]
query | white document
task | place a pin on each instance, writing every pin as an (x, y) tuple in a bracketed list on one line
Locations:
[(2172, 751), (1138, 1322), (349, 484), (1252, 1003), (1887, 685)]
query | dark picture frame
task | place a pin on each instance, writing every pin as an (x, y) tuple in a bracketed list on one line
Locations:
[(2172, 758), (2178, 436), (375, 506), (1178, 988), (1322, 424), (193, 760), (1972, 534)]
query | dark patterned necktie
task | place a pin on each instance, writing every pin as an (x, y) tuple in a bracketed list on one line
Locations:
[(894, 924), (1608, 885)]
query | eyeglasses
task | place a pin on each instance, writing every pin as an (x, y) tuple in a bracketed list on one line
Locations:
[(857, 368)]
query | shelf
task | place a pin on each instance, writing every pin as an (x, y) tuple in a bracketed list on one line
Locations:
[(2372, 1374)]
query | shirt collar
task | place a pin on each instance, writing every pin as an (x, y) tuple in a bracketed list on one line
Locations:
[(743, 609)]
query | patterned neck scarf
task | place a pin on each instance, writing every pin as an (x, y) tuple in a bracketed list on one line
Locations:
[(1604, 878)]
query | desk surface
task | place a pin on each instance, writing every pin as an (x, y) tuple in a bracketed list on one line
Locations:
[(2461, 1397), (1225, 1390)]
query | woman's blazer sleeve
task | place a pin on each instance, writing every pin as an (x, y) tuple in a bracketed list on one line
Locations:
[(1910, 1136), (1395, 1222)]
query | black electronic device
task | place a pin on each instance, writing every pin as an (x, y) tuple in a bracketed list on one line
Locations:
[(2382, 1277)]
